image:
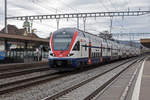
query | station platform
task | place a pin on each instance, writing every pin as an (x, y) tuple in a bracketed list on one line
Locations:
[(132, 84), (142, 86)]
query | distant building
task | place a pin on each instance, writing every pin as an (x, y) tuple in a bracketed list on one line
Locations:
[(13, 30)]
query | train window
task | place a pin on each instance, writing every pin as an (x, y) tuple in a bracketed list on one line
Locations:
[(92, 54), (62, 39), (77, 46)]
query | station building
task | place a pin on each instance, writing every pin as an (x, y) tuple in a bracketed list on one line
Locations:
[(19, 38), (18, 43), (146, 43)]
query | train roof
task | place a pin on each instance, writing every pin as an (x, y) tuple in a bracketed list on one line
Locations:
[(75, 29), (96, 35)]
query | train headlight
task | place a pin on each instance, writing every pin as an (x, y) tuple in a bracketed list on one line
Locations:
[(52, 54)]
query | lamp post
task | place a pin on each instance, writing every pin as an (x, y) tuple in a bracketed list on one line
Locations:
[(6, 30)]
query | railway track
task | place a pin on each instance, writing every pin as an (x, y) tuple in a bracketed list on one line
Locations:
[(13, 73), (73, 91), (6, 67), (15, 85)]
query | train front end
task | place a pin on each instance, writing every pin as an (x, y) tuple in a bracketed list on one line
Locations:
[(61, 55)]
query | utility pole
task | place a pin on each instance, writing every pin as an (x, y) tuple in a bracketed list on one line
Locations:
[(78, 23), (57, 20), (111, 22), (6, 30), (84, 22), (57, 23)]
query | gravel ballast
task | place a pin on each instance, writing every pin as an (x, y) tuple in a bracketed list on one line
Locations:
[(43, 90)]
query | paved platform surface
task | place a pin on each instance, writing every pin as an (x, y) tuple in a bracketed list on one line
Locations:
[(141, 90), (126, 88), (117, 89), (145, 82)]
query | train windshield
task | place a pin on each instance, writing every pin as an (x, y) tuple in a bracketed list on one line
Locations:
[(62, 40)]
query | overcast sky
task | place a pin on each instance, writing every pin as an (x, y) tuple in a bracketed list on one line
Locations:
[(39, 7)]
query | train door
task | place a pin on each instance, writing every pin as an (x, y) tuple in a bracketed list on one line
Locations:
[(101, 52), (89, 53), (81, 51), (111, 51), (84, 49), (107, 50)]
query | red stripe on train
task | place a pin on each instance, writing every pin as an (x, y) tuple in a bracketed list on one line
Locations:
[(52, 42)]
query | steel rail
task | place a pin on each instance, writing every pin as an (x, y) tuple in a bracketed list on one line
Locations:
[(70, 89)]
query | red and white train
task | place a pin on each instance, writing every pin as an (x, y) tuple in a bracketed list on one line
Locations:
[(71, 48)]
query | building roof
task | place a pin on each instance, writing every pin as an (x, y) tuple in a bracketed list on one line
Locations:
[(15, 34), (13, 30), (21, 38)]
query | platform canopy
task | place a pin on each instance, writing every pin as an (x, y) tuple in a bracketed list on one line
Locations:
[(145, 42), (10, 37), (20, 35)]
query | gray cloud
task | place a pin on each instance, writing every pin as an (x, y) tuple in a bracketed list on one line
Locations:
[(82, 2)]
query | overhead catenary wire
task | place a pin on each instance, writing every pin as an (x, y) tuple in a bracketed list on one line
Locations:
[(63, 3), (71, 8), (56, 11)]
